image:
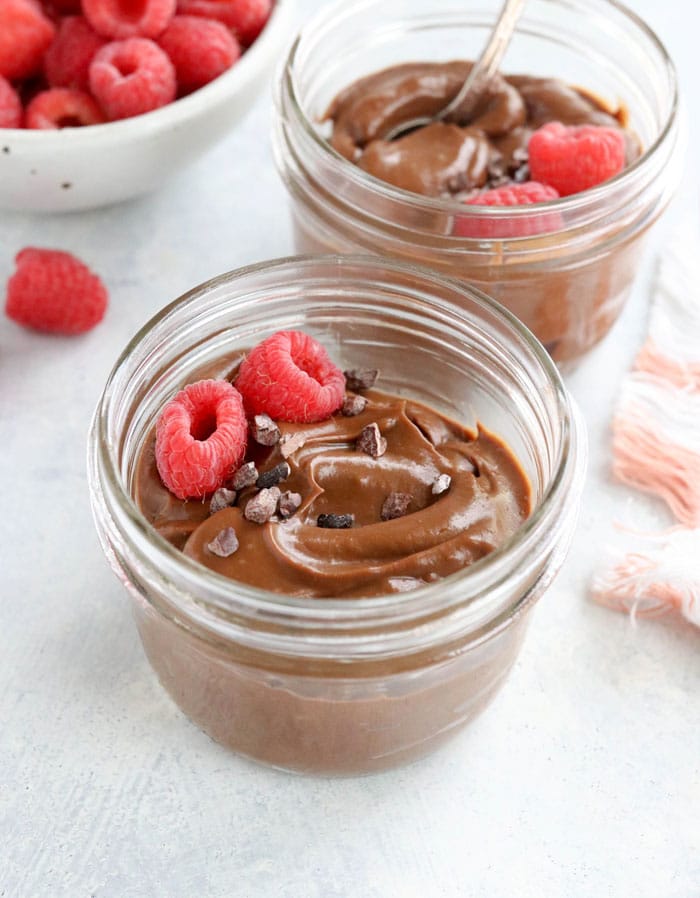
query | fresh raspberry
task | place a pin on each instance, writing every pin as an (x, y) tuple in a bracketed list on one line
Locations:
[(201, 438), (129, 18), (290, 377), (63, 107), (572, 158), (54, 292), (246, 17), (200, 49), (25, 33), (56, 9), (67, 61), (504, 228), (64, 7), (10, 106), (132, 77)]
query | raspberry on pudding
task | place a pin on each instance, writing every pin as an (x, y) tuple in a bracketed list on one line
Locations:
[(291, 377), (200, 438), (576, 157), (510, 195)]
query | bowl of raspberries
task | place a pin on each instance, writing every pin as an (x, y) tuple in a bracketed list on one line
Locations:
[(102, 100)]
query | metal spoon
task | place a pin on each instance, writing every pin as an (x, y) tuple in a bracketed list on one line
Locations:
[(481, 72)]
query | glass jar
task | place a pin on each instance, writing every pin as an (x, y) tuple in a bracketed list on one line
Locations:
[(341, 685), (569, 282)]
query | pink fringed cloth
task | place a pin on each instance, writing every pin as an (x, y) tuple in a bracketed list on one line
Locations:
[(656, 446)]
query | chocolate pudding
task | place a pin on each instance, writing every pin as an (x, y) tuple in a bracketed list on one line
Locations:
[(373, 519), (565, 269), (341, 685), (464, 154), (390, 495), (432, 499)]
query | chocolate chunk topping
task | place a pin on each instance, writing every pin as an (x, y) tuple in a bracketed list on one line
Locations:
[(273, 476), (371, 441), (224, 543), (222, 498), (336, 521), (245, 476), (262, 506), (522, 174), (353, 405), (265, 431), (290, 443), (357, 379), (395, 506), (288, 504), (441, 484)]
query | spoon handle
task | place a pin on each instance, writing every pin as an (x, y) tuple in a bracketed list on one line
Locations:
[(489, 62)]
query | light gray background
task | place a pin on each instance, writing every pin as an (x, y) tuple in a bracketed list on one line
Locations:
[(580, 780)]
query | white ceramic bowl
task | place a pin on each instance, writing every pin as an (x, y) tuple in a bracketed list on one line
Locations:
[(81, 168)]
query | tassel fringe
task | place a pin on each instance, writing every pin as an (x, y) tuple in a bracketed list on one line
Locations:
[(656, 446), (661, 576), (656, 443)]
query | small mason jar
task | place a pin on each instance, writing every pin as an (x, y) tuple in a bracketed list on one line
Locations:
[(341, 685), (567, 281)]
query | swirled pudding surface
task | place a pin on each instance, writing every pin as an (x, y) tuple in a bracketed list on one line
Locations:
[(488, 147), (441, 530)]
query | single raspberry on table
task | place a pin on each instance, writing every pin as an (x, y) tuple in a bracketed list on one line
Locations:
[(10, 106), (52, 291), (120, 19), (200, 49), (572, 158), (246, 17), (290, 377), (504, 227), (62, 107), (132, 77), (25, 34), (201, 438), (67, 61)]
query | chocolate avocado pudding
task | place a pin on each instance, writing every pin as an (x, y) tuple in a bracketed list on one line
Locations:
[(427, 499), (381, 496), (564, 268), (463, 154)]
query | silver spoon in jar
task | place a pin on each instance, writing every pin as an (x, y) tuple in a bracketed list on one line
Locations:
[(480, 75)]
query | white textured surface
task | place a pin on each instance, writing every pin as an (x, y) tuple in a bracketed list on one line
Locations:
[(581, 779)]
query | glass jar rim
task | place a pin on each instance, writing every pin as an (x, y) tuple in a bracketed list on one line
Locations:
[(482, 577), (389, 192)]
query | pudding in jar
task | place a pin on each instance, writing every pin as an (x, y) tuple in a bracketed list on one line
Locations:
[(505, 196), (339, 593)]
